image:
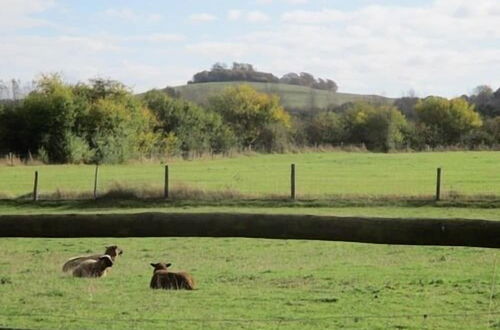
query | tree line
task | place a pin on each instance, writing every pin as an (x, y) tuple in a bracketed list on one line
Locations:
[(102, 121), (220, 72)]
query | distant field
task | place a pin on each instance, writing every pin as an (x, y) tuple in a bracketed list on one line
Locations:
[(253, 284), (319, 175), (292, 97)]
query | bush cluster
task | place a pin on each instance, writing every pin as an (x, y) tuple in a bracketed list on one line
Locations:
[(103, 122)]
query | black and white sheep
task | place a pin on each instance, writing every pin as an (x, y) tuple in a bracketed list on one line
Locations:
[(93, 268), (113, 251)]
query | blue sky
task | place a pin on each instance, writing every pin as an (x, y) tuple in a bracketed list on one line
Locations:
[(444, 47)]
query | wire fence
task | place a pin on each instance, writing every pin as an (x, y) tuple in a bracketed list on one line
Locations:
[(304, 181)]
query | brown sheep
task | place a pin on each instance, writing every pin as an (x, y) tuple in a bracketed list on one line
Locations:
[(93, 268), (111, 251), (163, 279)]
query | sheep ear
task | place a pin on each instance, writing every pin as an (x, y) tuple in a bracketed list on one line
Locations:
[(168, 265), (154, 265)]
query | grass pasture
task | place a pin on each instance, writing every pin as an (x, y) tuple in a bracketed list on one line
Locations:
[(252, 283), (292, 97), (257, 283), (319, 175)]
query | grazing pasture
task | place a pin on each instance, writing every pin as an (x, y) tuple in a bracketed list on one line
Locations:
[(319, 175), (292, 97), (251, 283), (257, 283)]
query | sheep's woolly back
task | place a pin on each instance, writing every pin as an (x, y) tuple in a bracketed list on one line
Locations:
[(163, 279), (72, 263), (93, 268)]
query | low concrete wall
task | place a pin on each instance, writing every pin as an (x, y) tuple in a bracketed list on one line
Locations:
[(450, 232)]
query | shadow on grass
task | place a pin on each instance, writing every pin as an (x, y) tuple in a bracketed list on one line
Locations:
[(125, 201)]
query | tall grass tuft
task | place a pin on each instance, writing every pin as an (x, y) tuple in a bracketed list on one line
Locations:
[(14, 160), (182, 191), (62, 194)]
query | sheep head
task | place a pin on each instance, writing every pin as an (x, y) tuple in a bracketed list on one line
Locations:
[(113, 251), (106, 260), (160, 266)]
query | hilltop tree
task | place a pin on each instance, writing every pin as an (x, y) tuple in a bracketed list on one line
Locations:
[(238, 72), (246, 72), (308, 80)]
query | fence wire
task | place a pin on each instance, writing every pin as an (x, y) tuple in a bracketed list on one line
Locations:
[(262, 180)]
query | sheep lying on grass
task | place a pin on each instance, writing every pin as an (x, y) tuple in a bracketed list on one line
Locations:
[(111, 251), (163, 279), (93, 268)]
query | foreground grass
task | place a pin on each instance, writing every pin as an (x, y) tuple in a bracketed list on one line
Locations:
[(251, 283), (319, 175)]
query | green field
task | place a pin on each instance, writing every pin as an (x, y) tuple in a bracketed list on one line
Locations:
[(252, 283), (257, 283), (292, 97), (319, 175)]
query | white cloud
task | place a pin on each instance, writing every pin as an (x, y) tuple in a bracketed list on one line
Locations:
[(289, 2), (202, 17), (156, 37), (130, 15), (142, 77), (445, 48), (253, 16), (230, 51), (234, 14), (82, 58), (315, 17), (15, 14), (257, 16)]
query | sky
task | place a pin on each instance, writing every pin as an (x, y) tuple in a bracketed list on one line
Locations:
[(433, 47)]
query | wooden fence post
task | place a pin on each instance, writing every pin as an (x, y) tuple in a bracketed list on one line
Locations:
[(292, 182), (165, 189), (35, 187), (438, 184), (95, 180)]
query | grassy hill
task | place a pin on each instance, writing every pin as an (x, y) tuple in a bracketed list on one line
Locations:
[(292, 97)]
